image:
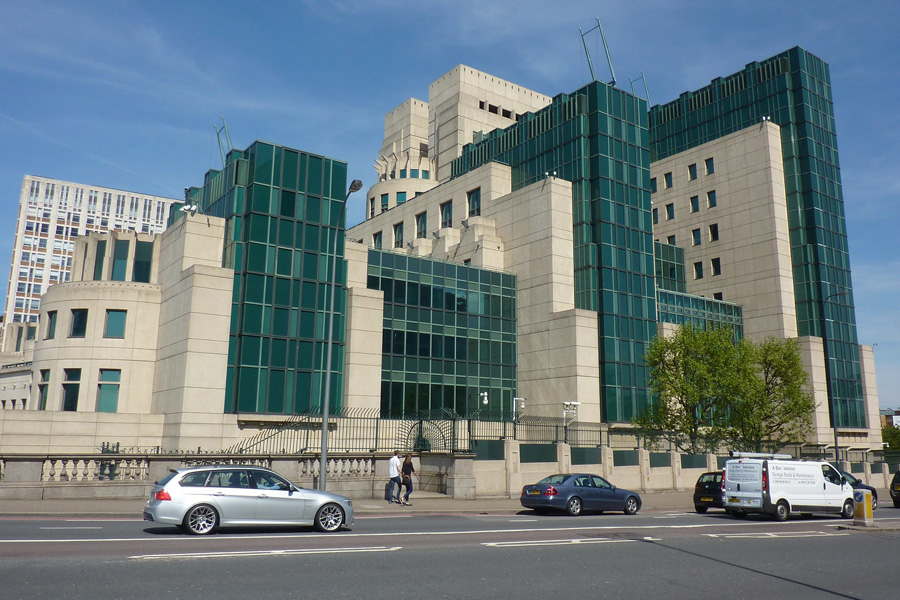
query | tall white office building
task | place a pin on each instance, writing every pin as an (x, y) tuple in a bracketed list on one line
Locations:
[(52, 214)]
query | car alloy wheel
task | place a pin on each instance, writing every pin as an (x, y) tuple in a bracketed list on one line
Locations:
[(574, 506), (201, 519), (329, 517), (631, 505)]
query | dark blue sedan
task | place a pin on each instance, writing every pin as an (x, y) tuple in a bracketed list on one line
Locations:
[(575, 493)]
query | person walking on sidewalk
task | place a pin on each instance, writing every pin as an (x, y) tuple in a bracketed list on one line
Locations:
[(407, 470), (394, 474)]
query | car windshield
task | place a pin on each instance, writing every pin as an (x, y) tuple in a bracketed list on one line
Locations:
[(554, 480), (850, 478)]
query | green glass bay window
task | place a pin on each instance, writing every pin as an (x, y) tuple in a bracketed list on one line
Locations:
[(449, 334)]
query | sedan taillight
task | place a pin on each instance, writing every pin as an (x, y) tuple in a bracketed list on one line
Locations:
[(550, 491), (162, 495)]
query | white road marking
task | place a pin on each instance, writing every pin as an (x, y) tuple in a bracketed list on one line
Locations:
[(773, 534), (72, 527), (554, 542), (247, 553)]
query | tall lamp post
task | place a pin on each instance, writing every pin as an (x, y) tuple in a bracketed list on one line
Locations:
[(355, 185), (828, 391)]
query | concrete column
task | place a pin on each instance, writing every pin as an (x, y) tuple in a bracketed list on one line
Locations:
[(513, 470), (677, 475), (564, 457), (644, 465), (606, 468)]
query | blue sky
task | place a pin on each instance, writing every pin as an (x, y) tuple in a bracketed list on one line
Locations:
[(126, 94)]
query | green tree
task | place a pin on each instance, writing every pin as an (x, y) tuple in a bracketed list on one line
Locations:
[(890, 435), (775, 407), (694, 376)]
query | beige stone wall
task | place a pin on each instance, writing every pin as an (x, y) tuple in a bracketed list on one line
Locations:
[(751, 214), (456, 113), (365, 323)]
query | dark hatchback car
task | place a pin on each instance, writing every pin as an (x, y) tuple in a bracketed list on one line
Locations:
[(856, 484), (577, 493), (708, 492)]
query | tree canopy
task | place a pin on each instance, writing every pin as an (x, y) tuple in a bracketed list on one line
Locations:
[(708, 390)]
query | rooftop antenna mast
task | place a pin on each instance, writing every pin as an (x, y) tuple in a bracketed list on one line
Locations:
[(222, 149), (605, 46), (646, 89)]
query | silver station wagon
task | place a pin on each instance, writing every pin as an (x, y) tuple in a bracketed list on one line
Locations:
[(202, 499)]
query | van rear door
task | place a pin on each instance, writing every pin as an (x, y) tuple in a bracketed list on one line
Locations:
[(743, 484)]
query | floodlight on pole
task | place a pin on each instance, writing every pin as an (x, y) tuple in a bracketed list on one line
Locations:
[(355, 185)]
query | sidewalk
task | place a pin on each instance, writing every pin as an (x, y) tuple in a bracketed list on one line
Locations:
[(422, 502)]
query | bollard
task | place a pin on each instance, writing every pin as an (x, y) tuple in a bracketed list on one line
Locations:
[(862, 508)]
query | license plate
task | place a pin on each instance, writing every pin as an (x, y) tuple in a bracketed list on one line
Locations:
[(705, 499), (534, 492), (734, 500)]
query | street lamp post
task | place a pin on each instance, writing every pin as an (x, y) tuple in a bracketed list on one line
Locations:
[(355, 185), (828, 391)]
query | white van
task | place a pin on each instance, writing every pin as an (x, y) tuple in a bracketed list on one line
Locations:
[(777, 485)]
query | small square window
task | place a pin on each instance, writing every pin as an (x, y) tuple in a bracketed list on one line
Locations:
[(670, 212), (79, 323), (115, 324), (692, 171), (695, 237), (714, 232), (668, 178), (698, 270), (670, 240), (716, 266), (717, 295), (695, 204), (710, 166), (711, 199)]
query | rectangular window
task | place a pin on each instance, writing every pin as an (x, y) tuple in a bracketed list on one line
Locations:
[(51, 325), (401, 198), (115, 324), (447, 214), (120, 260), (695, 204), (143, 260), (425, 174), (70, 389), (376, 241), (371, 207), (384, 202), (43, 388), (717, 296), (79, 323), (653, 185), (710, 166), (421, 225), (714, 232), (655, 216), (414, 173), (670, 212), (402, 173), (711, 199), (668, 178), (474, 201), (670, 240), (692, 171), (108, 390), (32, 330), (716, 267), (695, 237), (398, 235), (98, 260), (698, 270)]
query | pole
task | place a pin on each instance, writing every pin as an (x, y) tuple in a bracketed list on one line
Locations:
[(323, 463), (828, 391)]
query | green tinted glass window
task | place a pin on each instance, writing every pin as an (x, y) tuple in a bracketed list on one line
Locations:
[(79, 323), (115, 324), (120, 260), (98, 260), (143, 260)]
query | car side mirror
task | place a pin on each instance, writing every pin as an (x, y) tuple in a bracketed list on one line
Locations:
[(843, 480)]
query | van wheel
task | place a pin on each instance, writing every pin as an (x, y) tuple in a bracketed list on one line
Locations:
[(781, 511), (700, 509), (739, 514), (847, 510)]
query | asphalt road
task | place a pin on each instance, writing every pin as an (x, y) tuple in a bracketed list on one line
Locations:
[(655, 554)]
